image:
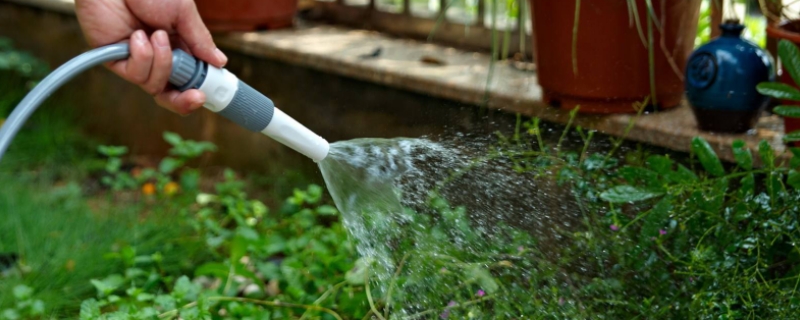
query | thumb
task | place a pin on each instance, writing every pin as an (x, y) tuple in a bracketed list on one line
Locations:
[(194, 33)]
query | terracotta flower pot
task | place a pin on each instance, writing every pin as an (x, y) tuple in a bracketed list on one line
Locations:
[(247, 15), (613, 69), (789, 30)]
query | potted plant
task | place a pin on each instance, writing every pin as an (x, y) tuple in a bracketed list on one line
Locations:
[(604, 55), (784, 31), (788, 93), (247, 15)]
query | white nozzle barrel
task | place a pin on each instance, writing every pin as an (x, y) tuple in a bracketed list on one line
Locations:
[(291, 133)]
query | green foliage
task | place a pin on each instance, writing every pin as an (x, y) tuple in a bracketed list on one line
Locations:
[(26, 307), (790, 59), (704, 24), (665, 242), (19, 72), (182, 152), (299, 255)]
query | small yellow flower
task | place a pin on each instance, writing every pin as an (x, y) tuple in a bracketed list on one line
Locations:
[(171, 188), (148, 189)]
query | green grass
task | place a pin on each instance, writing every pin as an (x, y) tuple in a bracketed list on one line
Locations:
[(63, 235)]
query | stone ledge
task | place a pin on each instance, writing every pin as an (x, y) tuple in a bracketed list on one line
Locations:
[(458, 75)]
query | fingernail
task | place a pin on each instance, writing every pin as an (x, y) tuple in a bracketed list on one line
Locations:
[(139, 36), (221, 56), (160, 39)]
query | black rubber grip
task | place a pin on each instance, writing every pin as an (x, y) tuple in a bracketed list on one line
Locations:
[(249, 108)]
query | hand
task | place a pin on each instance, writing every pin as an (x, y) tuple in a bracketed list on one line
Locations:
[(168, 23)]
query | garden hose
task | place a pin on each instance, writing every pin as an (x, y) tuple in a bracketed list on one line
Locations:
[(225, 95)]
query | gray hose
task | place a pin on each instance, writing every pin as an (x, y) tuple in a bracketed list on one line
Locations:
[(51, 83)]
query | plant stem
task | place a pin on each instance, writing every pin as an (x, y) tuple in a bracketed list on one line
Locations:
[(575, 37), (277, 304), (538, 133), (427, 312), (493, 59), (440, 20), (324, 296), (522, 27), (627, 131), (391, 285), (572, 115), (651, 57), (369, 296), (634, 12)]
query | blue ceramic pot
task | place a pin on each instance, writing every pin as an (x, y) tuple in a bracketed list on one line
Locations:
[(721, 79)]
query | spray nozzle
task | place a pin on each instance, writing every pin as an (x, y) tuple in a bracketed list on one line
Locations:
[(235, 100)]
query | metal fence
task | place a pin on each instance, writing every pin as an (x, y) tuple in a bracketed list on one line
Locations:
[(464, 23)]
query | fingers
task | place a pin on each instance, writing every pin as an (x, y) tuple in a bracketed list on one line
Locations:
[(193, 31), (149, 66), (161, 66), (182, 103), (136, 68)]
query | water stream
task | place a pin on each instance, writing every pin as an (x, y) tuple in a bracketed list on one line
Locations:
[(447, 229)]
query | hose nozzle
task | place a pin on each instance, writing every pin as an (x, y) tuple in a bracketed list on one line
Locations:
[(235, 100)]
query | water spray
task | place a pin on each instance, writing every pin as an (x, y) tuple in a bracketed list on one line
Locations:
[(225, 95)]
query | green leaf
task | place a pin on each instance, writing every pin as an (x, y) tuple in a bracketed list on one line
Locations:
[(90, 310), (778, 91), (656, 219), (683, 174), (795, 152), (22, 292), (314, 194), (326, 210), (792, 137), (113, 165), (238, 248), (358, 273), (794, 179), (714, 198), (247, 233), (9, 314), (708, 158), (787, 111), (767, 154), (214, 269), (634, 174), (168, 165), (790, 58), (275, 244), (37, 308), (748, 184), (172, 138), (743, 156), (259, 209), (660, 164), (622, 194), (165, 302), (269, 270), (483, 278), (185, 290), (112, 151), (108, 285)]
